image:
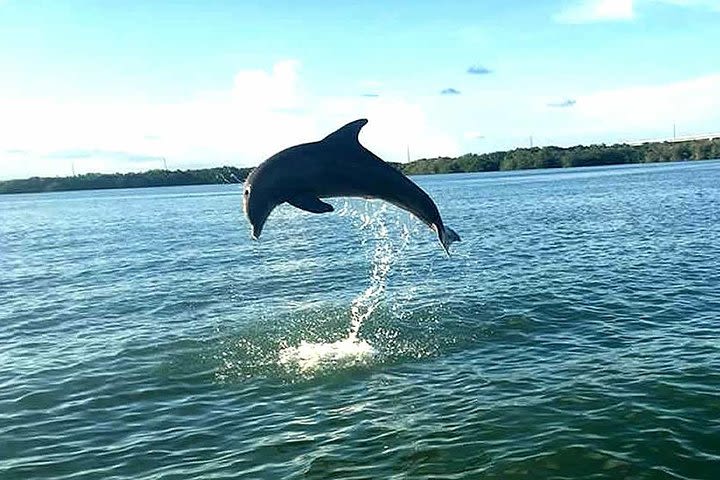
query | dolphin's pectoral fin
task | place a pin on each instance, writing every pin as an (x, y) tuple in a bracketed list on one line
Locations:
[(310, 203)]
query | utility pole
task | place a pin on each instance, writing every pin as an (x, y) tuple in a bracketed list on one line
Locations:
[(531, 141), (674, 132), (164, 163), (72, 165), (408, 153)]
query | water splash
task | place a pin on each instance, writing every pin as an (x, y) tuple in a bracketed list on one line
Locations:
[(310, 357), (364, 304)]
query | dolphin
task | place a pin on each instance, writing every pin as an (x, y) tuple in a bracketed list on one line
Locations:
[(336, 166)]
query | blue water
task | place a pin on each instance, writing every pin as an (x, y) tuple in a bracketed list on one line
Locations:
[(574, 333)]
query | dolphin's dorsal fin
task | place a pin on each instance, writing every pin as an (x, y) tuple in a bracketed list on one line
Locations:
[(347, 134)]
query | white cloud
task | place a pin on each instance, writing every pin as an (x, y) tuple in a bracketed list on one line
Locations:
[(589, 11), (694, 104), (257, 90), (473, 135), (634, 112), (586, 11), (262, 113), (711, 4)]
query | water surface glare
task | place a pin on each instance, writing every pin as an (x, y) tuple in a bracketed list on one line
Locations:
[(574, 333)]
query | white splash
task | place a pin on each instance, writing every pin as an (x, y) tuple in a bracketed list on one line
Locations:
[(309, 357), (364, 304)]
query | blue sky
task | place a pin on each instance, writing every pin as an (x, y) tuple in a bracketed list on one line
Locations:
[(117, 86)]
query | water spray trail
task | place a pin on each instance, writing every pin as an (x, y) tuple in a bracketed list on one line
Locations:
[(309, 358), (364, 305), (383, 257)]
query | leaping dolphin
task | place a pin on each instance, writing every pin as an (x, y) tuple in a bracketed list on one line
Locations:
[(336, 166)]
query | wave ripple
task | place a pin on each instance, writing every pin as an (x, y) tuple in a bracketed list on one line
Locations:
[(574, 333)]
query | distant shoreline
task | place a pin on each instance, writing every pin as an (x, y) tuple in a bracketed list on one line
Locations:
[(517, 159)]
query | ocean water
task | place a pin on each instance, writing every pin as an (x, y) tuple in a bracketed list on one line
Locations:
[(574, 333)]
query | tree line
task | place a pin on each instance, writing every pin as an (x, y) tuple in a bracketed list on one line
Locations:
[(519, 158), (578, 156), (151, 178)]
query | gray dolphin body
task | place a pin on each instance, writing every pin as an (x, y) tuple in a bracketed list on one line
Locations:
[(336, 166)]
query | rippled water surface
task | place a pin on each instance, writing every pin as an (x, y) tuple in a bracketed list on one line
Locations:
[(574, 333)]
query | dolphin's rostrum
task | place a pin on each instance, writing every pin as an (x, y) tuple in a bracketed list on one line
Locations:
[(336, 166)]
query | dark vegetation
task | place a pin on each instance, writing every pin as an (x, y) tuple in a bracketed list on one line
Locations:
[(578, 156), (520, 158), (151, 178)]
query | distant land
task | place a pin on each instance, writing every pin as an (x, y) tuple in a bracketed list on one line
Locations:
[(517, 159)]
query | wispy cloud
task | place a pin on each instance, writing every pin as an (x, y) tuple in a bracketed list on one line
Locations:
[(473, 136), (478, 70), (589, 11), (709, 4), (692, 101), (569, 102), (450, 91), (370, 95), (107, 154)]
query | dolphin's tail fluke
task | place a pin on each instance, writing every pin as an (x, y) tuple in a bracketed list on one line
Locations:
[(447, 236)]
